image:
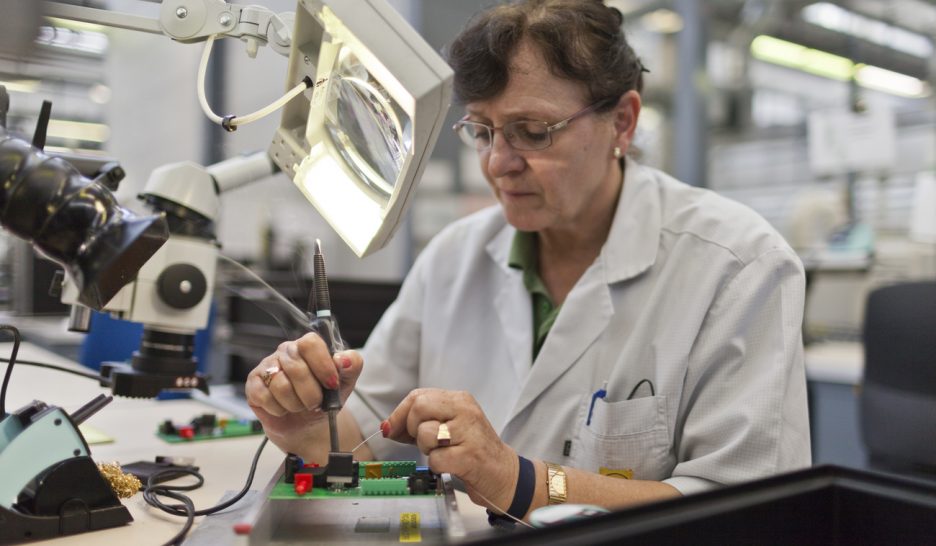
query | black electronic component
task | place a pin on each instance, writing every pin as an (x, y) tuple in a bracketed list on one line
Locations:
[(205, 423), (342, 470), (293, 464), (423, 480)]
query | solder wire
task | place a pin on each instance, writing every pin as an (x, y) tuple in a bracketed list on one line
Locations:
[(504, 512), (365, 441)]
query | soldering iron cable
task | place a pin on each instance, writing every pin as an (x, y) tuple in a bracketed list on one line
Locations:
[(153, 491), (9, 370), (80, 373)]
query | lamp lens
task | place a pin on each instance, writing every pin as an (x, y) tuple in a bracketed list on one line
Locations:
[(368, 128)]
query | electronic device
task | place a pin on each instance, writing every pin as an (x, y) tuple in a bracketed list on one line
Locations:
[(387, 502)]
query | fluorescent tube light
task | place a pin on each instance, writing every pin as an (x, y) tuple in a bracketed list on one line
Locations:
[(821, 63), (839, 19)]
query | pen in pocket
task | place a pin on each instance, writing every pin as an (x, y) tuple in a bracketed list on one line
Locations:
[(600, 393)]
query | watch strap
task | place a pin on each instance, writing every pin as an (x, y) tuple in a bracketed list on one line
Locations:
[(523, 494)]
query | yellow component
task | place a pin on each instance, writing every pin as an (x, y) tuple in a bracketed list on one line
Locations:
[(409, 527), (623, 473), (373, 471)]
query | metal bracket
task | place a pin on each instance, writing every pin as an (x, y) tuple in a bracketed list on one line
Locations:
[(190, 21)]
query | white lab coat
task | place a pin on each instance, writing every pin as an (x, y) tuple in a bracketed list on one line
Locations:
[(692, 291)]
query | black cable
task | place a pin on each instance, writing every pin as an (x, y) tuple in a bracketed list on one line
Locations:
[(82, 373), (9, 370), (637, 386), (187, 509)]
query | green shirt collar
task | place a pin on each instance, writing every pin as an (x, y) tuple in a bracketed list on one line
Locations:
[(524, 256), (523, 250)]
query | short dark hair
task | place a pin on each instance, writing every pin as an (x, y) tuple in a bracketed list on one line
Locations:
[(581, 40)]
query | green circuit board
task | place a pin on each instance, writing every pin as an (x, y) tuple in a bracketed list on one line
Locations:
[(375, 479), (214, 429)]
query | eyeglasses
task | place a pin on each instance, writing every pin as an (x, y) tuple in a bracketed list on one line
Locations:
[(524, 135)]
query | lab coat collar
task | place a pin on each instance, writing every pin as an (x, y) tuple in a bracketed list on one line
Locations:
[(512, 296), (631, 249), (634, 238)]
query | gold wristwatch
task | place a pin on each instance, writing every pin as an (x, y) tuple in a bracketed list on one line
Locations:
[(556, 483)]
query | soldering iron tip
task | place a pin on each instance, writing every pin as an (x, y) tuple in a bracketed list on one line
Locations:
[(317, 249)]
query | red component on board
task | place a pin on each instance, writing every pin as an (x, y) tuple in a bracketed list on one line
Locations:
[(302, 483)]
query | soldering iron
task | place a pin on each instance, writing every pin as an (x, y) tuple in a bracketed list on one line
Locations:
[(331, 398), (340, 464)]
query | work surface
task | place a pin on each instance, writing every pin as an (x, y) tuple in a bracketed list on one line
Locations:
[(132, 423)]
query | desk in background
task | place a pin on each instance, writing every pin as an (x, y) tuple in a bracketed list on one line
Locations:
[(833, 373)]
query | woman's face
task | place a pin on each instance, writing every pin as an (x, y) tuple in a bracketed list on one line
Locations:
[(565, 185)]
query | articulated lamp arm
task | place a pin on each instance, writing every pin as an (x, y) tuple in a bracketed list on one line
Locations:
[(189, 21)]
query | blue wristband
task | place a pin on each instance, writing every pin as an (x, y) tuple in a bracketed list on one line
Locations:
[(523, 494)]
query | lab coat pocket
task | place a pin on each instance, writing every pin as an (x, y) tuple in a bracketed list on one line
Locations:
[(627, 438)]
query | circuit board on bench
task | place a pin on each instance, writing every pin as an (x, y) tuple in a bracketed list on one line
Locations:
[(383, 478), (207, 426)]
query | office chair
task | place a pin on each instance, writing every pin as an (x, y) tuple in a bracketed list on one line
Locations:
[(898, 397)]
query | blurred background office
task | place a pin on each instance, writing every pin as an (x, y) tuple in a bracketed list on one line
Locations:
[(819, 115)]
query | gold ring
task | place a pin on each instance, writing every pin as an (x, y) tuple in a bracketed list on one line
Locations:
[(268, 374), (444, 437)]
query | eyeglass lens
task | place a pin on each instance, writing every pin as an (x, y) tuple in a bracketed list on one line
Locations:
[(522, 135)]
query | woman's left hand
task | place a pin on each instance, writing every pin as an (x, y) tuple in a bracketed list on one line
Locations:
[(475, 452)]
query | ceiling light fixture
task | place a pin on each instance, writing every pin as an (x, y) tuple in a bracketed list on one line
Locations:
[(839, 19), (821, 63)]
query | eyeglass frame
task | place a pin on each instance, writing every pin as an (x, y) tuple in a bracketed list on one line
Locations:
[(550, 129)]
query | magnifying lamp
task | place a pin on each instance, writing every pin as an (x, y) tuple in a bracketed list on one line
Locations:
[(358, 141)]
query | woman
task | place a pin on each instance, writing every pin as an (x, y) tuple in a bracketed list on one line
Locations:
[(604, 321)]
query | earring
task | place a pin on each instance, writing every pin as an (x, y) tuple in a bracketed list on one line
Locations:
[(617, 152)]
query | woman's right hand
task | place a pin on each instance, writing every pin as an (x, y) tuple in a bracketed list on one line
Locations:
[(288, 402)]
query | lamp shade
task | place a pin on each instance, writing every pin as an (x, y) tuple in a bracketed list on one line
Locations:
[(357, 142)]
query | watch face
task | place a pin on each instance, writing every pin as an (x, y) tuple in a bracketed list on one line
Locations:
[(560, 486)]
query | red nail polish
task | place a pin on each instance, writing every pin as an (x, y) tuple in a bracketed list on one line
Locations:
[(345, 362), (385, 428), (333, 382)]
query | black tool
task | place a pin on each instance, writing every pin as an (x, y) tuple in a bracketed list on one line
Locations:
[(328, 330), (81, 414)]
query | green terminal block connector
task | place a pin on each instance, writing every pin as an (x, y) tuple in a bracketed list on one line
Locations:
[(386, 469), (385, 486)]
